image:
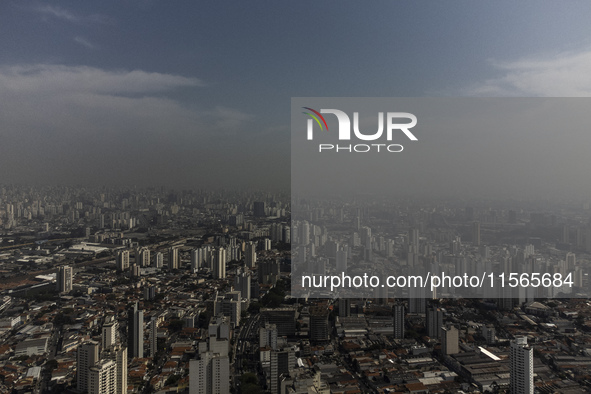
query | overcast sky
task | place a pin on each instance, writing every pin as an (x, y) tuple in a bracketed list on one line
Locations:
[(197, 94)]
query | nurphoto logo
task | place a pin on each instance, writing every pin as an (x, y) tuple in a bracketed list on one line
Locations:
[(392, 120)]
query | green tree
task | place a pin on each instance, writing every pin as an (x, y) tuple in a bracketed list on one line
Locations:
[(175, 325), (172, 380), (249, 384), (51, 365)]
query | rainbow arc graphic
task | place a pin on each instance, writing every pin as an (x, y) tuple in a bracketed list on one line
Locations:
[(315, 115)]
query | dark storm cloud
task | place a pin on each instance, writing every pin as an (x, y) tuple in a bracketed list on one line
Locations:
[(84, 124)]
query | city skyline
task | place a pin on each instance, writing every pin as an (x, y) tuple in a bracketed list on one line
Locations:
[(82, 264), (170, 220)]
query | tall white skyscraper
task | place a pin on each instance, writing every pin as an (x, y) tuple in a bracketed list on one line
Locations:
[(64, 279), (304, 235), (109, 333), (210, 372), (219, 264), (142, 257), (197, 258), (102, 377), (123, 260), (173, 258), (449, 340), (159, 260), (121, 360), (522, 367), (87, 356)]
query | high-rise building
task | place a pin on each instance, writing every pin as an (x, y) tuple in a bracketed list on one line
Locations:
[(153, 336), (121, 360), (250, 256), (344, 307), (134, 271), (123, 260), (149, 293), (449, 340), (109, 333), (142, 257), (242, 283), (229, 305), (219, 329), (268, 336), (434, 322), (522, 367), (197, 257), (476, 234), (159, 260), (286, 234), (102, 377), (571, 261), (209, 373), (189, 320), (87, 356), (341, 261), (488, 332), (319, 328), (236, 220), (417, 303), (304, 233), (282, 361), (366, 237), (173, 258), (399, 321), (414, 240), (199, 374), (269, 271), (219, 264), (283, 318), (64, 279), (135, 331)]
